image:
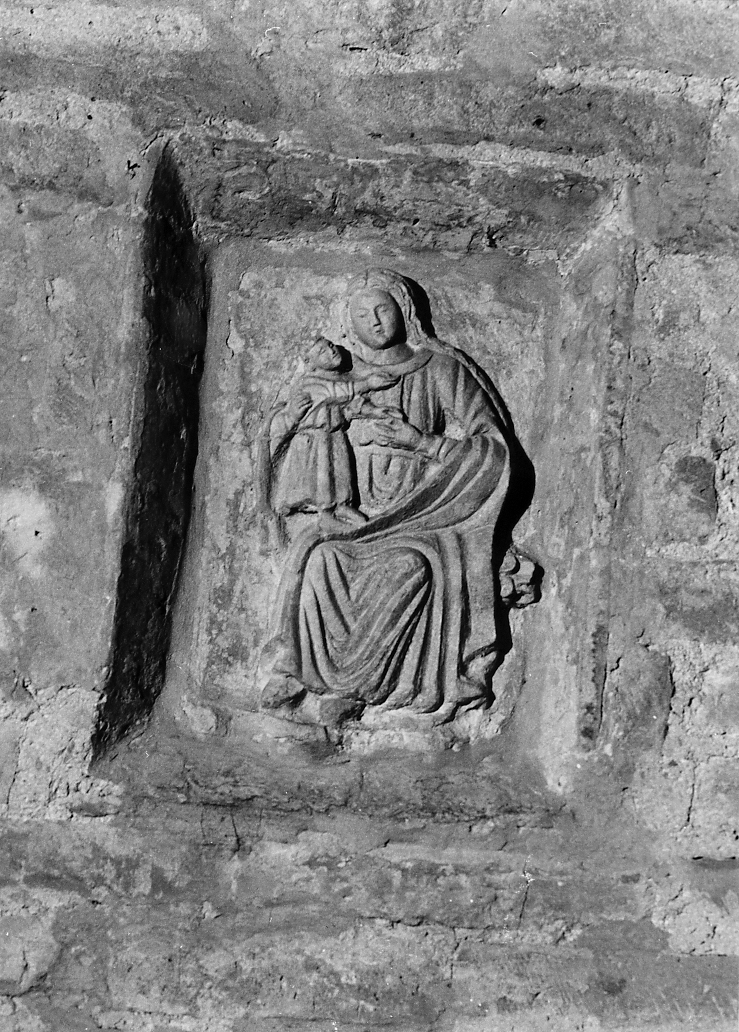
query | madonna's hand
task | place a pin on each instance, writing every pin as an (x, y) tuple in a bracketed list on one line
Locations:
[(393, 432)]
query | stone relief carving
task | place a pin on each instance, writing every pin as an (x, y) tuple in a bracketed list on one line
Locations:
[(394, 453)]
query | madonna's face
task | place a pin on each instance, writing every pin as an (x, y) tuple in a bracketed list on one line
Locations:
[(377, 319)]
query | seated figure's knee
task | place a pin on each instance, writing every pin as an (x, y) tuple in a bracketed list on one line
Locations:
[(410, 563)]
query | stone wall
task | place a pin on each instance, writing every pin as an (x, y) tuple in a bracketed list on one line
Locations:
[(562, 181), (72, 330)]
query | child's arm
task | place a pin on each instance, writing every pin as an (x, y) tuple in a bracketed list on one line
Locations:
[(295, 409)]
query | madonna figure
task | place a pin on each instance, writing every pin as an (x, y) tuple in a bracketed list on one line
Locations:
[(395, 609)]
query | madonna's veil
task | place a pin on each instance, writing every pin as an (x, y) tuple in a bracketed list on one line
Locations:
[(418, 337)]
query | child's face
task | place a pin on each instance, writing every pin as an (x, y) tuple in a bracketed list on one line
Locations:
[(324, 355)]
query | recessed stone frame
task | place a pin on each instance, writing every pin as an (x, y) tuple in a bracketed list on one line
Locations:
[(254, 202)]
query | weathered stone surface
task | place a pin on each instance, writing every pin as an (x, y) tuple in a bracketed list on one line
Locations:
[(27, 951), (179, 917), (71, 325), (563, 180)]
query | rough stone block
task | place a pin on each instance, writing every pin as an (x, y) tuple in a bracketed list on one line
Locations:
[(27, 951)]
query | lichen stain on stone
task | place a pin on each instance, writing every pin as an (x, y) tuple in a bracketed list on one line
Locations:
[(83, 25), (114, 497), (27, 951), (26, 527)]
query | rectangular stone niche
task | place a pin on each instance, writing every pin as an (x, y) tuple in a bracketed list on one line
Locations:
[(543, 328)]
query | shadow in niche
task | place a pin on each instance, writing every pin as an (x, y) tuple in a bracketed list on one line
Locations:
[(158, 506)]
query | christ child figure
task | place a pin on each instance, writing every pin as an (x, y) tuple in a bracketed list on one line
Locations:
[(317, 472)]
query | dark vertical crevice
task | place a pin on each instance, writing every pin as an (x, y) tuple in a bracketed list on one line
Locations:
[(158, 507)]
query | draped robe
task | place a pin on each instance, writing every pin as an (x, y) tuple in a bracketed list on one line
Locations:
[(391, 612)]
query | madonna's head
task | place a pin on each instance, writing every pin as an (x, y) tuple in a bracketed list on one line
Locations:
[(380, 311), (376, 318)]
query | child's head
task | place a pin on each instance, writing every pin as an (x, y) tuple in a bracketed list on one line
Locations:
[(324, 354)]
